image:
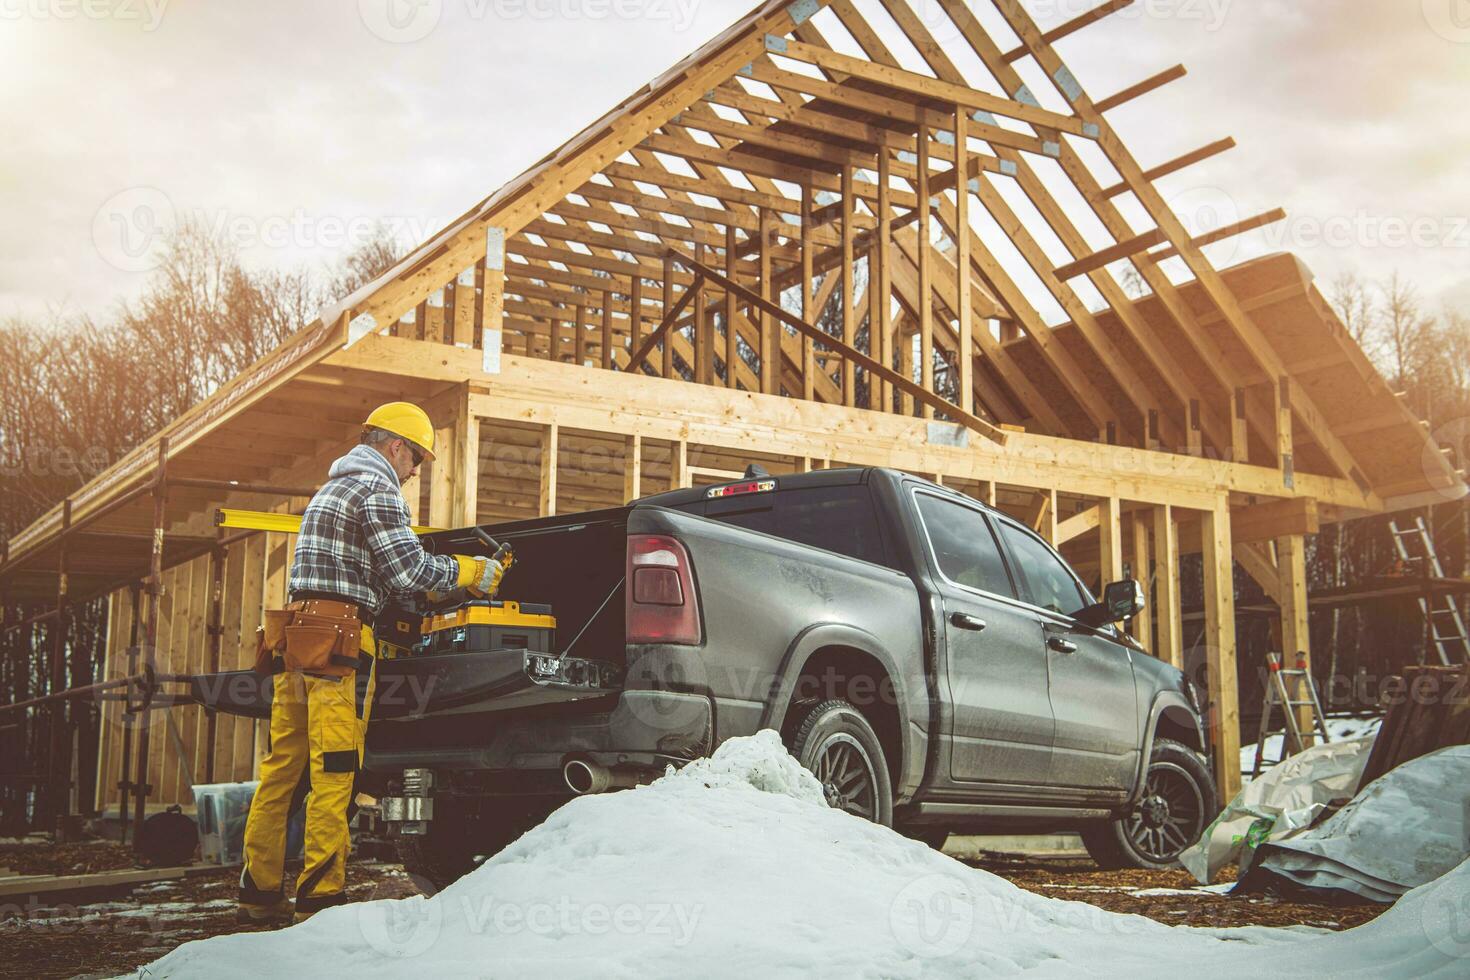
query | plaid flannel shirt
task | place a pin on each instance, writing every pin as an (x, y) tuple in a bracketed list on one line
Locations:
[(356, 542)]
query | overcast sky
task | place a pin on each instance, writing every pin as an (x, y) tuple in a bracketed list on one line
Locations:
[(292, 125)]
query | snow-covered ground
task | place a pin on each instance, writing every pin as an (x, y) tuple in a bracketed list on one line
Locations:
[(1340, 729), (735, 867)]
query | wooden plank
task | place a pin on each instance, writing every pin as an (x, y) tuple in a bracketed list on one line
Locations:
[(1219, 584), (632, 467), (1167, 618), (808, 311), (911, 83), (926, 273), (546, 499), (770, 330), (1296, 634), (607, 330), (963, 241), (1069, 27), (679, 465), (1137, 525), (732, 334), (1157, 80), (849, 316), (1077, 525), (1110, 547), (1266, 521), (1173, 166), (926, 397), (251, 603)]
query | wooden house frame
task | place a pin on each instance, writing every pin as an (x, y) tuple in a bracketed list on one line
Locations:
[(770, 235)]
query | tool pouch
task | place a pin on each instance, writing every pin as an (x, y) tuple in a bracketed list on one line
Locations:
[(321, 638), (270, 641)]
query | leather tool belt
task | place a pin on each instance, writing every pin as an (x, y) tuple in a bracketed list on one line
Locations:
[(312, 636)]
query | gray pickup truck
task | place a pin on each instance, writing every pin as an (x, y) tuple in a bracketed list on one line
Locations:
[(935, 663)]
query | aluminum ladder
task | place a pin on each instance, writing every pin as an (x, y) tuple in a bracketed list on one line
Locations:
[(1445, 628), (1277, 694)]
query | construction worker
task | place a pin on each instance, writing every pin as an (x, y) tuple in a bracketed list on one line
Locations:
[(355, 549)]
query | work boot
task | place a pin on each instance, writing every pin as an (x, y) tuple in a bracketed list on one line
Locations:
[(273, 913), (309, 905)]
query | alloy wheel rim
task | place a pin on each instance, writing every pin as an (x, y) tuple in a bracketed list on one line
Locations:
[(846, 773), (1169, 817)]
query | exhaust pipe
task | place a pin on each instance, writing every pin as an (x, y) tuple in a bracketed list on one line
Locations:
[(585, 777)]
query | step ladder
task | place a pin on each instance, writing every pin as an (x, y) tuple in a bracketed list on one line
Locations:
[(1446, 628), (1278, 694)]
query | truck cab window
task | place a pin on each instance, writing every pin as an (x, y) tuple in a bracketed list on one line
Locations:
[(964, 546), (1044, 580), (840, 519)]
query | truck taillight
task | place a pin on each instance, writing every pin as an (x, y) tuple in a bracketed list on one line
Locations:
[(660, 604)]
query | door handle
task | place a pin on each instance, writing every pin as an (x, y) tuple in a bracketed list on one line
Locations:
[(967, 622), (1060, 645)]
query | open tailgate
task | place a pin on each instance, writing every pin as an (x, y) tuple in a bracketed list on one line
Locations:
[(414, 687)]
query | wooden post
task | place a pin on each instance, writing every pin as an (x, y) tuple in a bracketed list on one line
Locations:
[(1296, 641), (492, 297), (632, 467), (668, 304), (883, 325), (732, 348), (607, 331), (926, 272), (1143, 622), (678, 464), (1224, 714), (635, 315), (550, 437), (849, 325), (808, 355), (770, 329), (1239, 431), (442, 491), (1283, 431), (965, 315), (1167, 614), (215, 631), (1110, 541), (704, 355), (579, 339), (467, 465)]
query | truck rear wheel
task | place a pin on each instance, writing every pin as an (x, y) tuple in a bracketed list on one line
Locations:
[(836, 743), (1177, 804), (456, 845)]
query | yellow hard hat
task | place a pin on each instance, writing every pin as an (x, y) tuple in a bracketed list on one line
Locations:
[(407, 421)]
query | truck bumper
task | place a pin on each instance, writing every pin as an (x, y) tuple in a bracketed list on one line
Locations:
[(643, 728)]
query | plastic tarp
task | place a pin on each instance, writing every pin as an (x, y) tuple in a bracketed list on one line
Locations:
[(1406, 829), (1279, 803)]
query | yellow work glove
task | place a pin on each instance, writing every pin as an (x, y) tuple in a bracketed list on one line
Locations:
[(480, 575)]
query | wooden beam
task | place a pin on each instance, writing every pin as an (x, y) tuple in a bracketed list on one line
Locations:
[(1219, 639), (1110, 541), (1296, 634), (1138, 549), (1167, 614), (867, 363), (1176, 164), (849, 315), (963, 242), (1072, 26), (670, 318), (1144, 87), (1077, 525), (1109, 255), (1269, 520), (1259, 562), (926, 273), (632, 467), (550, 437), (914, 84), (1220, 234)]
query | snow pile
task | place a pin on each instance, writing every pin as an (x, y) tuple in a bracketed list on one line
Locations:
[(734, 867), (1405, 829)]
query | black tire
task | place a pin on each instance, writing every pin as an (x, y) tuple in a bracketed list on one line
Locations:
[(836, 743), (1177, 804), (933, 836), (457, 845)]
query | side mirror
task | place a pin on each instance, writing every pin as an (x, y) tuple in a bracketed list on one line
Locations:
[(1121, 600)]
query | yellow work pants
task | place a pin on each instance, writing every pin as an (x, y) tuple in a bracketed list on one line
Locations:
[(317, 728)]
